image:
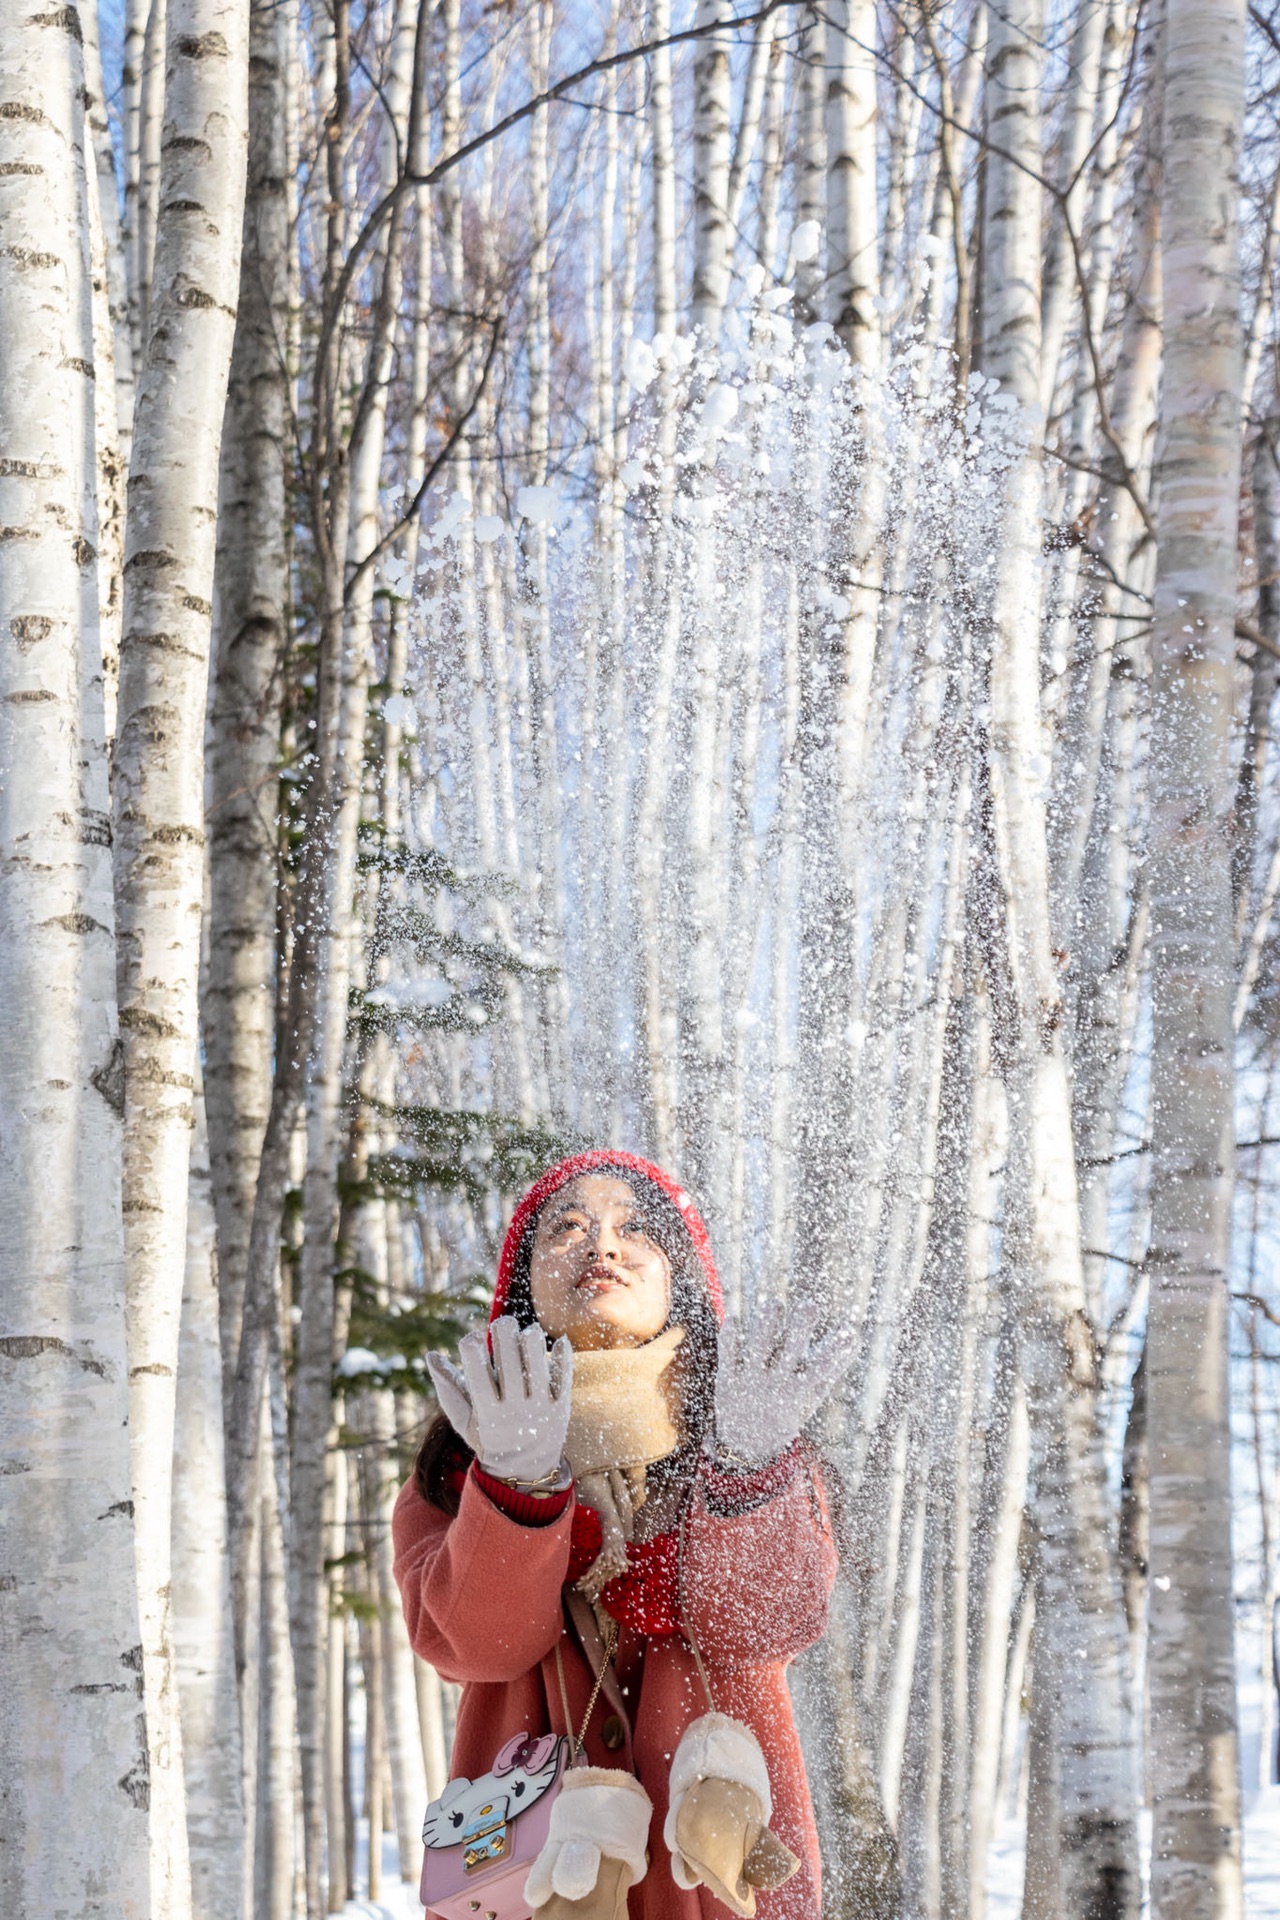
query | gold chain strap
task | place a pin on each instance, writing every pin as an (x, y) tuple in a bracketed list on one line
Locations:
[(576, 1746)]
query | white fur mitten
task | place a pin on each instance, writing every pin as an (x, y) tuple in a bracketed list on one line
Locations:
[(717, 1824), (595, 1848)]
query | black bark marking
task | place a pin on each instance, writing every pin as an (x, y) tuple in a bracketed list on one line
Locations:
[(18, 110), (136, 1784), (95, 829), (34, 697), (66, 17), (201, 46), (141, 1020), (148, 558), (26, 257), (30, 1346), (109, 1078), (195, 297), (122, 1510), (29, 629), (77, 923)]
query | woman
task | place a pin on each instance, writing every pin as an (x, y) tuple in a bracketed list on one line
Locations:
[(625, 1540)]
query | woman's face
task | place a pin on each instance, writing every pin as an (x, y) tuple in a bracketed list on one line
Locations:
[(595, 1274)]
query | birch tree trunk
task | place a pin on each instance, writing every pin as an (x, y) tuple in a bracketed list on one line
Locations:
[(276, 1868), (151, 111), (73, 1760), (249, 601), (159, 796), (663, 165), (712, 239), (113, 384), (1059, 280), (1195, 1869), (809, 109), (853, 254), (204, 1644), (348, 590), (1082, 1728), (136, 13)]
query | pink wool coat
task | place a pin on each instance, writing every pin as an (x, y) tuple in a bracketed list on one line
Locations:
[(486, 1603)]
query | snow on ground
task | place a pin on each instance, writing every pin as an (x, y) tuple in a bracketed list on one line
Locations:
[(1261, 1861), (395, 1900), (1262, 1856), (1261, 1808), (1261, 1803)]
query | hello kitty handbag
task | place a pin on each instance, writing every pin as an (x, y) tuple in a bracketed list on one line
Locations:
[(481, 1837)]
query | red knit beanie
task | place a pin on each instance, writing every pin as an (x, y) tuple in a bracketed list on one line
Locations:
[(600, 1160)]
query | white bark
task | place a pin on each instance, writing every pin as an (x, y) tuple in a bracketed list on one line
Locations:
[(400, 1705), (336, 818), (536, 615), (136, 13), (663, 167), (1094, 856), (753, 101), (771, 160), (113, 237), (853, 251), (336, 1731), (249, 601), (159, 796), (1060, 283), (112, 384), (152, 106), (712, 236), (276, 1868), (1091, 1846), (808, 110), (1260, 317), (1257, 742), (204, 1644), (430, 1692), (1193, 1760), (71, 1731), (994, 1561)]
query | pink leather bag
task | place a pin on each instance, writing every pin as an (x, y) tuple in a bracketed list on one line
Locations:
[(482, 1836)]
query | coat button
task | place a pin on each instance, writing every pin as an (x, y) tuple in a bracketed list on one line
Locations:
[(612, 1734)]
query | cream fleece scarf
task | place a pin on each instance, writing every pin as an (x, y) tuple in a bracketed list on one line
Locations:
[(625, 1414)]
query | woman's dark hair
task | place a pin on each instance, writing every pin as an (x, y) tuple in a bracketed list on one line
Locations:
[(444, 1455)]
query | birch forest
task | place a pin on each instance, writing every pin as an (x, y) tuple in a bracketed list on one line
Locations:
[(693, 575)]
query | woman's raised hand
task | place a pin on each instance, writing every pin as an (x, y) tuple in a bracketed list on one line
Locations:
[(512, 1409), (773, 1376)]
